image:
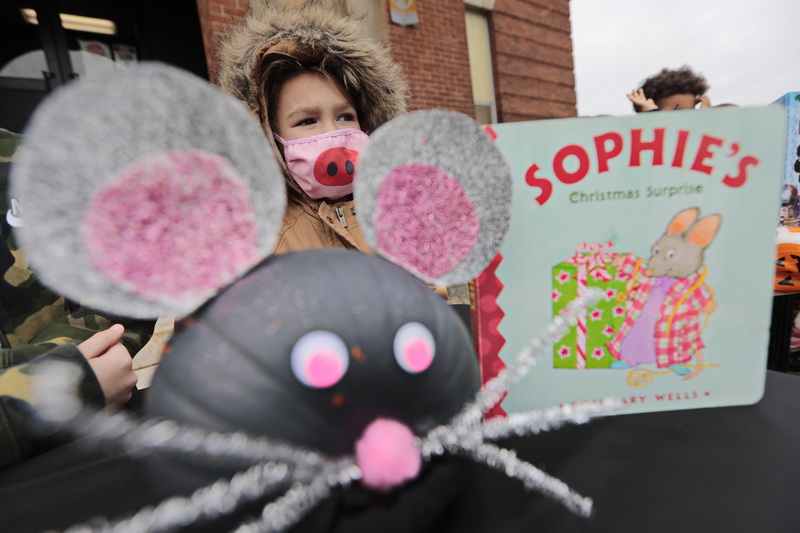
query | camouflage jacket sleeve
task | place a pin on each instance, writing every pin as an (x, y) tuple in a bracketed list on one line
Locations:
[(79, 326), (34, 319), (20, 436)]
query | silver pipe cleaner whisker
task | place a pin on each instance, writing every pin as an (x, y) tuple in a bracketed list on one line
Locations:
[(206, 503), (298, 501), (493, 390), (466, 435), (309, 475), (531, 477), (541, 420), (58, 387)]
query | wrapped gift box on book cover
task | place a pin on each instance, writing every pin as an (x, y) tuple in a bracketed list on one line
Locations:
[(672, 216), (584, 346)]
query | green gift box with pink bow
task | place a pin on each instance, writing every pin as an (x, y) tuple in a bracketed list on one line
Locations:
[(584, 346)]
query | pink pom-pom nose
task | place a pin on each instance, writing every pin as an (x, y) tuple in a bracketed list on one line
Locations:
[(388, 455)]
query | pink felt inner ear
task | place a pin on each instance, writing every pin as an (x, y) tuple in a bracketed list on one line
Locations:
[(170, 224), (425, 220), (323, 369)]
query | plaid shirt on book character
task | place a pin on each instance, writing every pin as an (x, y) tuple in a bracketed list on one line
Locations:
[(677, 336)]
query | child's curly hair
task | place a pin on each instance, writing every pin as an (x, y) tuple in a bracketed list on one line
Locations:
[(679, 81)]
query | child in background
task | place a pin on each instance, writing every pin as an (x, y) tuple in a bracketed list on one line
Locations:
[(671, 89), (316, 80)]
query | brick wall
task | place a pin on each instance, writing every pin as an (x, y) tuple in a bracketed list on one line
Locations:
[(533, 65), (531, 46), (216, 18), (434, 56)]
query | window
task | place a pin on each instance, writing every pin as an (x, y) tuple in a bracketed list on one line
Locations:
[(480, 66)]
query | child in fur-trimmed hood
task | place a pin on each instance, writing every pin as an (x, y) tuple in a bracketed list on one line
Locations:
[(271, 62)]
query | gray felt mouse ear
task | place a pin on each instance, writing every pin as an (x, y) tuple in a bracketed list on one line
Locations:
[(145, 192), (433, 194)]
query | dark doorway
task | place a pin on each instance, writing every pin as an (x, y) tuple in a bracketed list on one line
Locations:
[(47, 43)]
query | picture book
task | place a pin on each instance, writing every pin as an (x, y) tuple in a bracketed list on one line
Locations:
[(672, 215)]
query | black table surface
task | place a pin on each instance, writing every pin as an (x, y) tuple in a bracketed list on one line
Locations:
[(700, 470)]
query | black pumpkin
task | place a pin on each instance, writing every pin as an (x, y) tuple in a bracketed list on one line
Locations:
[(232, 370)]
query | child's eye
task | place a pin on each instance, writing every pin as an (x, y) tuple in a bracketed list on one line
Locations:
[(347, 117), (319, 359), (414, 347), (306, 122)]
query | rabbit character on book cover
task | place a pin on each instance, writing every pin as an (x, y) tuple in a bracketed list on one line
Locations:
[(666, 299)]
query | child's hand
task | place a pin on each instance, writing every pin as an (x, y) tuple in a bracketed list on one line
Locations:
[(704, 101), (639, 99), (111, 363)]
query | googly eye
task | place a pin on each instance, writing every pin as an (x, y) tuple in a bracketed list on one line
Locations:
[(319, 359), (414, 347)]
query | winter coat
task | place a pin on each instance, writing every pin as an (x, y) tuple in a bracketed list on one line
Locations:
[(342, 44), (312, 223)]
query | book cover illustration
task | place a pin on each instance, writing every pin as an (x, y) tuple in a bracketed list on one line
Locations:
[(672, 216)]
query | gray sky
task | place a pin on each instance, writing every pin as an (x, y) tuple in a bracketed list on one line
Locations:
[(748, 50)]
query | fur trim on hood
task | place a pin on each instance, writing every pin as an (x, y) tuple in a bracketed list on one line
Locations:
[(318, 32)]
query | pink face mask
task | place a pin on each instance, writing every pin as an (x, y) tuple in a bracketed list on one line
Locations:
[(324, 165)]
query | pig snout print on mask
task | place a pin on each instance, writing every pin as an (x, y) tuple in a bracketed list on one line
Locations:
[(324, 165)]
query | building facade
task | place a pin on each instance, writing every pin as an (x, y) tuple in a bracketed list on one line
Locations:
[(496, 60)]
